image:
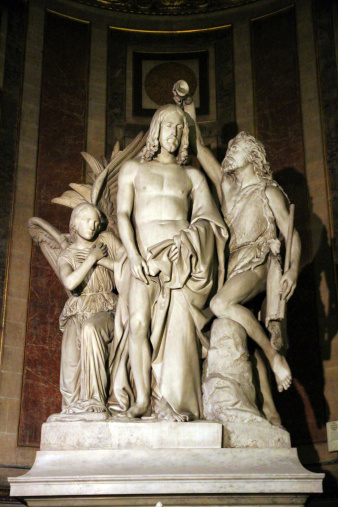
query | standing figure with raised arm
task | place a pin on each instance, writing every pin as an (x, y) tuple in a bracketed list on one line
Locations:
[(255, 208), (169, 225)]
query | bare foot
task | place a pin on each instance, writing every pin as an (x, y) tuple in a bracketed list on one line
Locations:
[(139, 410), (282, 372), (167, 413)]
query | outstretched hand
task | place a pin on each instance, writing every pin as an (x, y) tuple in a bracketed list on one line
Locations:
[(139, 268), (288, 284)]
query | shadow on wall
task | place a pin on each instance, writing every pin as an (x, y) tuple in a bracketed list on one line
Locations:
[(311, 325), (228, 132)]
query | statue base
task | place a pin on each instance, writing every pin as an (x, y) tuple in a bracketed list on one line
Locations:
[(184, 465), (130, 434), (172, 477)]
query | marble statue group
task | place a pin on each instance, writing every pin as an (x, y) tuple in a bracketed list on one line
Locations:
[(160, 275)]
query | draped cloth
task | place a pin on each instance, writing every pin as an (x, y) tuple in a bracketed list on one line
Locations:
[(178, 316), (87, 322)]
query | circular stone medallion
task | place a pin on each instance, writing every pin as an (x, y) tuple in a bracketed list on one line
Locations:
[(161, 78)]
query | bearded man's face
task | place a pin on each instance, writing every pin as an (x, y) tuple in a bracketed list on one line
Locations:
[(171, 132), (236, 156)]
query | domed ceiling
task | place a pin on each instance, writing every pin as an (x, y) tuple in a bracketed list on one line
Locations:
[(166, 7)]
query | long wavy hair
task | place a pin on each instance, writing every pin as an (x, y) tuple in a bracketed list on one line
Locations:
[(255, 154), (152, 147)]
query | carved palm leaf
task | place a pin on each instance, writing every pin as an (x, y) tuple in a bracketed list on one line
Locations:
[(103, 192), (70, 198)]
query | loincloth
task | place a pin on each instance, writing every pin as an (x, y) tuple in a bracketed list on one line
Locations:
[(248, 257)]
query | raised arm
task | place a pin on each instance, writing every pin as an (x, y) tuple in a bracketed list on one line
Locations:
[(125, 204), (204, 155), (280, 209)]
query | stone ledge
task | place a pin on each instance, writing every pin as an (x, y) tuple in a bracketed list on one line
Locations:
[(166, 472), (82, 435)]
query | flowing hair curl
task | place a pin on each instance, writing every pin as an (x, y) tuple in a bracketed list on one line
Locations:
[(152, 147)]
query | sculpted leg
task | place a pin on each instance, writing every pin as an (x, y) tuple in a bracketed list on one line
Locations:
[(139, 346), (269, 407), (228, 302)]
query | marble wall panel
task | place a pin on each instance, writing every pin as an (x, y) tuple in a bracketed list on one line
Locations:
[(62, 136), (278, 118), (14, 14), (225, 92), (328, 90), (116, 87)]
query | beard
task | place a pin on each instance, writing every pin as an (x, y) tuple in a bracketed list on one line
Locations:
[(171, 144), (229, 165)]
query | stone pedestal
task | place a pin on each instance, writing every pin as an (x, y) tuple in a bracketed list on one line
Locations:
[(130, 434), (184, 464)]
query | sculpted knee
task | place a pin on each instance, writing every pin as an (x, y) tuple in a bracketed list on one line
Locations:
[(218, 307), (138, 326)]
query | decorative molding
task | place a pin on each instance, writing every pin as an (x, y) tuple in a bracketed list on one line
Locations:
[(197, 30), (166, 7)]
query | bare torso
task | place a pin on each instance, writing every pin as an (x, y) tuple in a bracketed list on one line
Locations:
[(162, 202)]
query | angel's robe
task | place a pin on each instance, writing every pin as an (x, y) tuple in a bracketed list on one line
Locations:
[(178, 318), (87, 322)]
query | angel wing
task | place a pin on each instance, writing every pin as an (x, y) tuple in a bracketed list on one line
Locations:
[(103, 192), (50, 240)]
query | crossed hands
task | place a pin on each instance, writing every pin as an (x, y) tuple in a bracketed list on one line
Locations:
[(97, 252), (140, 269)]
